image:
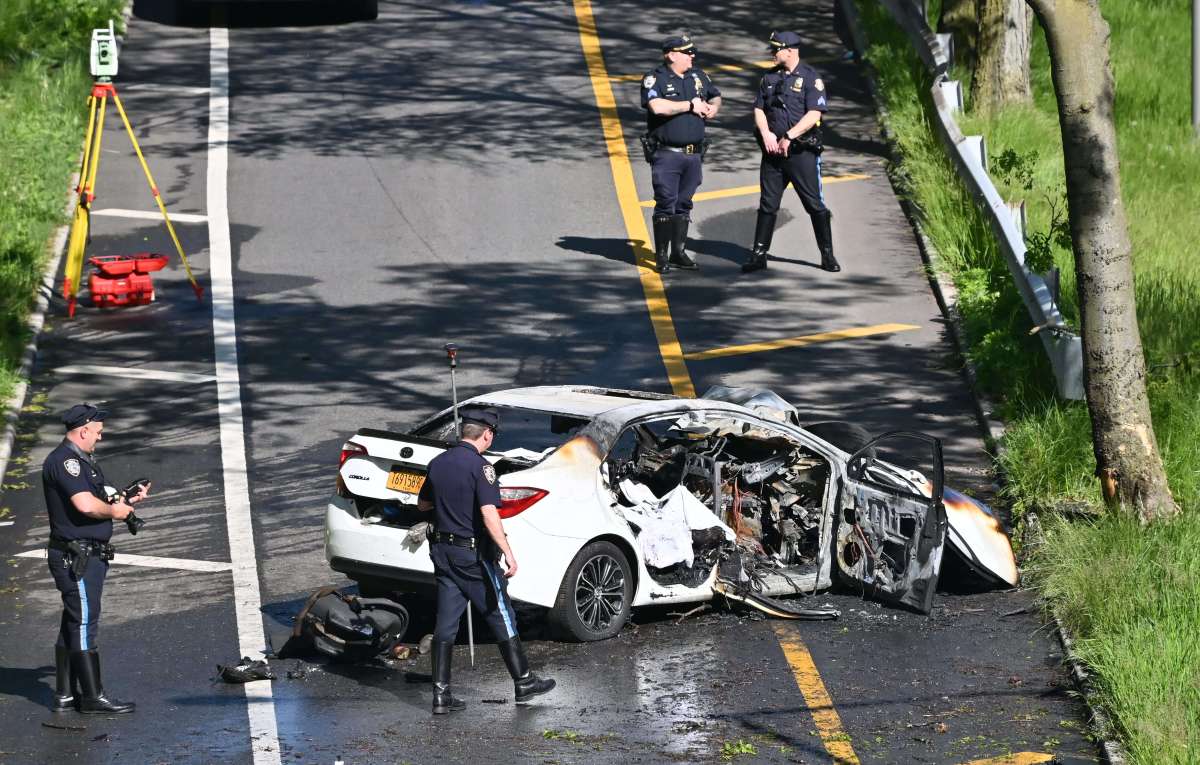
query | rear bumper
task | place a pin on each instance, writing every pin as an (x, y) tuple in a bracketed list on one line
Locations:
[(373, 550)]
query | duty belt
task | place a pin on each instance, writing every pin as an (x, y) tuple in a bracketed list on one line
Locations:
[(446, 538), (92, 545), (690, 148)]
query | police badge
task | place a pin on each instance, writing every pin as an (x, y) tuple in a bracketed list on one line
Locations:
[(798, 85), (489, 473), (72, 466)]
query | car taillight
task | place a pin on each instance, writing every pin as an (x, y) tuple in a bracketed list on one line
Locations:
[(518, 499), (349, 449)]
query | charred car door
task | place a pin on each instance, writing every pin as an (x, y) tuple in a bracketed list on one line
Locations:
[(889, 533)]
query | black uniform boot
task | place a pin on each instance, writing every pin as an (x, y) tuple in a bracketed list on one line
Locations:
[(86, 667), (443, 700), (526, 684), (64, 685), (823, 230), (764, 229), (679, 257), (663, 228)]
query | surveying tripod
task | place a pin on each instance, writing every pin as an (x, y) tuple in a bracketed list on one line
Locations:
[(90, 166)]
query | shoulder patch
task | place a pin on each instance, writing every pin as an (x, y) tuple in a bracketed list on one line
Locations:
[(72, 466), (647, 81), (818, 84), (489, 474)]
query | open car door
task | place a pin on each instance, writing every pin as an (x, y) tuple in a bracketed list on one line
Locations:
[(889, 533)]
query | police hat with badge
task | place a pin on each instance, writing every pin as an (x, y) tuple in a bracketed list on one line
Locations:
[(678, 44), (81, 414), (781, 40), (480, 415)]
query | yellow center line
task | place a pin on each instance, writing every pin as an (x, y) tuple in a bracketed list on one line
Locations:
[(741, 191), (799, 342), (825, 717), (627, 197), (1019, 758)]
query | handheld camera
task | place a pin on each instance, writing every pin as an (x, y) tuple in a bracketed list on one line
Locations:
[(132, 522), (104, 53)]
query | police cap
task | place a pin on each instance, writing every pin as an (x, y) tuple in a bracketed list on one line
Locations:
[(81, 414), (781, 40), (679, 43), (481, 415)]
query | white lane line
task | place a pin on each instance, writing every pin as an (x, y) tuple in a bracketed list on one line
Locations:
[(155, 87), (7, 523), (252, 639), (132, 373), (116, 212), (151, 561)]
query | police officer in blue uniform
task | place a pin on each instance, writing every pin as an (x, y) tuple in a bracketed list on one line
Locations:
[(788, 109), (678, 99), (81, 523), (465, 543)]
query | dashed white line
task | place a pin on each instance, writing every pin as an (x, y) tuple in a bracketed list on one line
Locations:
[(116, 212), (133, 373), (260, 705), (179, 90), (151, 561)]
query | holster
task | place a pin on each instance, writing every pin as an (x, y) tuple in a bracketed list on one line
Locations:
[(78, 552), (649, 145), (704, 144)]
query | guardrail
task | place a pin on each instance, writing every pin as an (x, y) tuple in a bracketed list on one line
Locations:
[(969, 156)]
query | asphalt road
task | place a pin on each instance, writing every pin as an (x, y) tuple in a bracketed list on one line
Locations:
[(441, 174)]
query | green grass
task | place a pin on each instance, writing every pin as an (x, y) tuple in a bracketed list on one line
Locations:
[(1131, 595), (43, 90)]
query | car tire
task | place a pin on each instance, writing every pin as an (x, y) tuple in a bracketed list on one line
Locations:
[(596, 595)]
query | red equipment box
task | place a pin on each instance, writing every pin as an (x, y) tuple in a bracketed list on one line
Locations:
[(124, 279)]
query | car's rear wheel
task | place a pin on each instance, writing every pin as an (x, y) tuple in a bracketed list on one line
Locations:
[(596, 594)]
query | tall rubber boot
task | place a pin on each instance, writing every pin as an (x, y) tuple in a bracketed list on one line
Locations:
[(679, 257), (663, 229), (443, 700), (64, 684), (526, 684), (86, 667), (823, 229), (764, 230)]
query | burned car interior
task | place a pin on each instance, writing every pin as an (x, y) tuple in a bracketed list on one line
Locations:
[(768, 489)]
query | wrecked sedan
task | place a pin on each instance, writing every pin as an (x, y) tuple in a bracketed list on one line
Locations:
[(614, 499)]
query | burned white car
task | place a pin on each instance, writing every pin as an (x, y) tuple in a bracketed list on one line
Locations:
[(615, 499)]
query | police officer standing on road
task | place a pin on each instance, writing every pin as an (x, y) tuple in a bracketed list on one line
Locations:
[(81, 523), (678, 99), (787, 121), (466, 541)]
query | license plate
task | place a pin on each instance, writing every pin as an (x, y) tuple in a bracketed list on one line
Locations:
[(406, 481)]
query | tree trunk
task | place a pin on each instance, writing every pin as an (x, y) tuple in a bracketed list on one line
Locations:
[(1002, 73), (958, 18), (1127, 459)]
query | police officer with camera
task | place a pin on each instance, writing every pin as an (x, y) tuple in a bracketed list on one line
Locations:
[(678, 99), (466, 542), (81, 523), (787, 122)]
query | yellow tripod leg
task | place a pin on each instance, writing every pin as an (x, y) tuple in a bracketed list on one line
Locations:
[(87, 182), (158, 198)]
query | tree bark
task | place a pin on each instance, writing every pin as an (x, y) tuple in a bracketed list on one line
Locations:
[(1002, 71), (958, 18), (1128, 463)]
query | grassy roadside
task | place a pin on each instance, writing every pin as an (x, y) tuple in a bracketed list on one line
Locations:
[(43, 90), (1131, 595)]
